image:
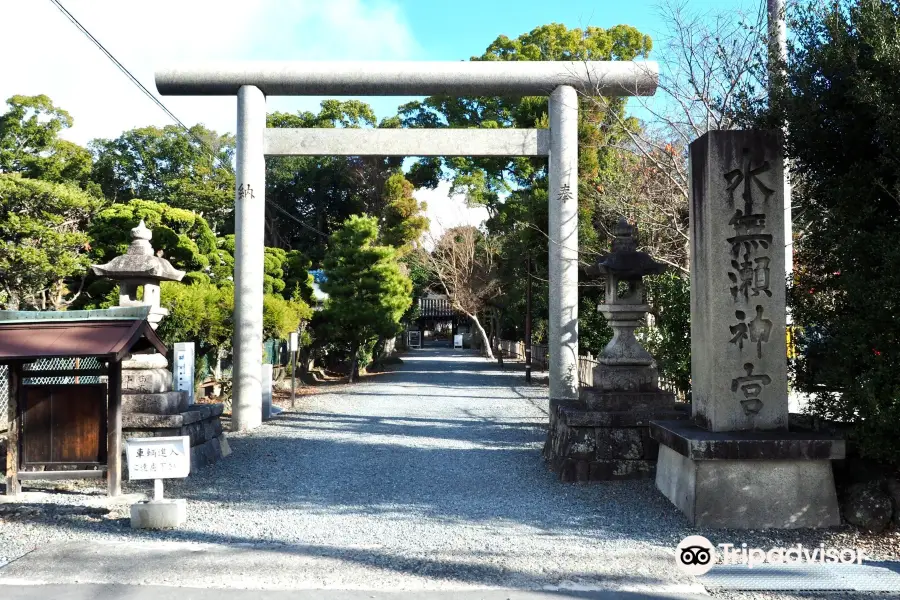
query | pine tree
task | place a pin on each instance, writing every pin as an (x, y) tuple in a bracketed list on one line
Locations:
[(368, 291)]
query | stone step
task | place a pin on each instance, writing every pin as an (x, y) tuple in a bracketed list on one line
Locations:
[(146, 381), (164, 403), (200, 430), (197, 412)]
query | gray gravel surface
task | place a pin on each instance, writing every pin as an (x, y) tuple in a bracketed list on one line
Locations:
[(429, 477)]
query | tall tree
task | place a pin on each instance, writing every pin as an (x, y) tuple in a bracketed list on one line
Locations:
[(403, 218), (463, 263), (30, 143), (367, 290), (190, 170), (312, 196), (44, 250), (842, 104), (514, 189)]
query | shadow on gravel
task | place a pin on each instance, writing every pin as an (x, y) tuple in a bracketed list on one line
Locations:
[(156, 566), (449, 470)]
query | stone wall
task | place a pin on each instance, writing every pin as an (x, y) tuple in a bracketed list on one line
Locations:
[(601, 445), (201, 423)]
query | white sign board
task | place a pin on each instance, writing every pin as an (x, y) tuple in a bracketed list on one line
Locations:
[(292, 341), (184, 369), (414, 339), (457, 341), (158, 458)]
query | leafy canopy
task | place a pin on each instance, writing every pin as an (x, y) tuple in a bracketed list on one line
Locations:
[(842, 101), (368, 291), (43, 244), (30, 144), (188, 170)]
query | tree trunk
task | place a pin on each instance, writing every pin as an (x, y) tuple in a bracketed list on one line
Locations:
[(490, 331), (354, 364), (484, 337)]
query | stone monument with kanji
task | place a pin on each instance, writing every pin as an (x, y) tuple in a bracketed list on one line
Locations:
[(738, 464)]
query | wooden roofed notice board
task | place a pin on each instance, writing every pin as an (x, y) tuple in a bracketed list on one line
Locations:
[(65, 422)]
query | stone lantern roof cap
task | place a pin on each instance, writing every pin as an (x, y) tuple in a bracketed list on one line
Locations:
[(140, 262), (625, 260)]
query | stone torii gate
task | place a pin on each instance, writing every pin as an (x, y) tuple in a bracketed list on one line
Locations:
[(252, 82)]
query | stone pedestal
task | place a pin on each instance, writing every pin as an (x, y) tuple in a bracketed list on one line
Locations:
[(737, 465), (152, 408), (748, 479), (159, 514), (609, 441), (605, 435)]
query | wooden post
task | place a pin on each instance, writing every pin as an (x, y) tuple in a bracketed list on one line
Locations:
[(528, 321), (114, 429), (13, 486)]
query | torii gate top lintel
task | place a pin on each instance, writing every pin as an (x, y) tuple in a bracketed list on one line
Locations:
[(410, 78)]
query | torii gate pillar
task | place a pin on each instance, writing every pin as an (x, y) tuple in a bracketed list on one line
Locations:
[(249, 258), (563, 233)]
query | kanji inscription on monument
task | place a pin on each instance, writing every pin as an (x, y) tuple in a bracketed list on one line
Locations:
[(738, 360)]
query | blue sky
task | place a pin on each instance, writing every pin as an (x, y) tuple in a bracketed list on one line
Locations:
[(470, 26), (48, 55), (148, 35)]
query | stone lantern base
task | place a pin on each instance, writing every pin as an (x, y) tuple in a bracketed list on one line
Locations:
[(606, 435)]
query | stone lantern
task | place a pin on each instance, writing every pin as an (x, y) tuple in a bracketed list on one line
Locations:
[(140, 267), (624, 365), (151, 406), (605, 434)]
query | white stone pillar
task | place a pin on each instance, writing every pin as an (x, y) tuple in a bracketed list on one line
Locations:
[(249, 223), (563, 209)]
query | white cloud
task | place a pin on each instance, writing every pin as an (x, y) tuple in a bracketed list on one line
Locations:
[(446, 211), (46, 54)]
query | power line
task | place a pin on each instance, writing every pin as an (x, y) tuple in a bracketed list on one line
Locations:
[(284, 212), (159, 103), (121, 67)]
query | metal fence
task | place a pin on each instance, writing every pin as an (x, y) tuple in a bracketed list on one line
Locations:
[(46, 364)]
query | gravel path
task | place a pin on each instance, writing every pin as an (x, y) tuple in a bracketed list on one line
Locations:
[(429, 477)]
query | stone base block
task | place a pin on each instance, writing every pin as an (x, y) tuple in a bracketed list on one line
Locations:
[(201, 424), (144, 361), (748, 479), (614, 377), (146, 381), (632, 402), (749, 494), (159, 514), (592, 445), (209, 452), (197, 413), (164, 403)]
